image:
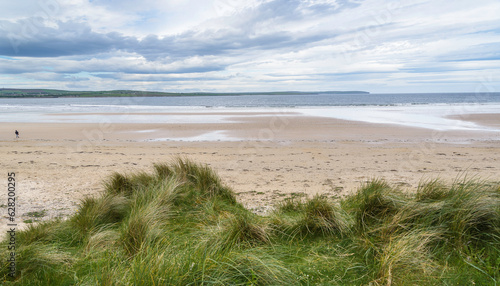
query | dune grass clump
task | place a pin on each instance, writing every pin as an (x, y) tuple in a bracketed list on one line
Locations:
[(407, 257), (459, 223), (243, 229), (95, 213), (316, 216), (205, 181), (251, 268), (137, 229), (467, 212), (45, 264), (433, 190), (322, 216), (290, 205), (48, 232), (180, 225), (374, 204), (163, 170), (472, 212)]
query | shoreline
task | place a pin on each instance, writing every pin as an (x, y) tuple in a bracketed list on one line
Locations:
[(434, 117), (250, 124)]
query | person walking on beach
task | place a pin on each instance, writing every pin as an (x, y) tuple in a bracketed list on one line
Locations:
[(17, 134)]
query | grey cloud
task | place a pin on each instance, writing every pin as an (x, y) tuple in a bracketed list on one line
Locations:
[(158, 78), (69, 38), (76, 38), (108, 64)]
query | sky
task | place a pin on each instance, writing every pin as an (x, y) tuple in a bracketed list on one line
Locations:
[(378, 46)]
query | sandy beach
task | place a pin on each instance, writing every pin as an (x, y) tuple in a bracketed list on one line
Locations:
[(264, 157)]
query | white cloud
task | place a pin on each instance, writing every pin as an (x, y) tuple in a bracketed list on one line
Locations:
[(250, 44)]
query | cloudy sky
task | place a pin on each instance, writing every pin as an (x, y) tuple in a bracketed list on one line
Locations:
[(251, 45)]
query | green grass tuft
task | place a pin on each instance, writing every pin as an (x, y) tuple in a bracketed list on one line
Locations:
[(374, 204), (243, 230), (322, 216), (204, 179), (407, 256), (37, 214), (97, 213), (433, 190), (163, 171), (118, 184)]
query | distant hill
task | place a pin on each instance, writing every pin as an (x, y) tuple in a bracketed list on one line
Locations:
[(51, 93)]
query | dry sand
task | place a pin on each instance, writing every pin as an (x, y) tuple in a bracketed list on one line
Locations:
[(263, 158)]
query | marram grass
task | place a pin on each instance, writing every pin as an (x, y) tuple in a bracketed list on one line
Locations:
[(180, 225)]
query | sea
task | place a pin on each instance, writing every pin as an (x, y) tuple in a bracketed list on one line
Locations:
[(425, 110)]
